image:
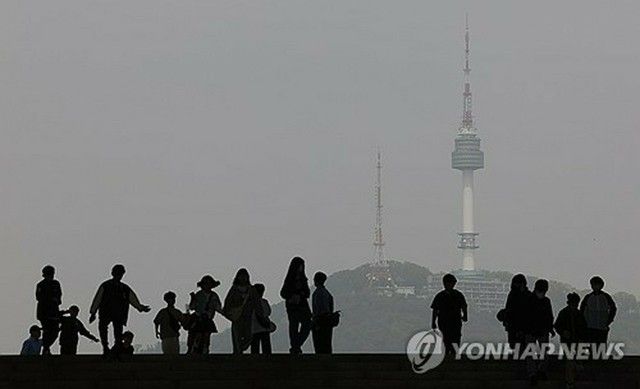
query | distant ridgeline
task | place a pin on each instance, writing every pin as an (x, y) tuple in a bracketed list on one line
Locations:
[(382, 307)]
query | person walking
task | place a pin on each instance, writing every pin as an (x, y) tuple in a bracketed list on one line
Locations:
[(204, 303), (70, 329), (111, 303), (167, 325), (49, 298), (449, 310)]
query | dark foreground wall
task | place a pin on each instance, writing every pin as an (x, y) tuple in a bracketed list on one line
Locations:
[(284, 371)]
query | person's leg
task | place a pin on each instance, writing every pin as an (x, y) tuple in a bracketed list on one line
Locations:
[(235, 338), (206, 342), (305, 331), (103, 329), (255, 344), (50, 328), (532, 367), (328, 340), (118, 329), (543, 342), (315, 338), (190, 337), (265, 342), (294, 323)]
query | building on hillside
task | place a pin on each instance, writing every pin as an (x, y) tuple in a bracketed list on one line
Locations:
[(482, 293)]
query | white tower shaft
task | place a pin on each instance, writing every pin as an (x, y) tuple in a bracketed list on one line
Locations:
[(467, 217)]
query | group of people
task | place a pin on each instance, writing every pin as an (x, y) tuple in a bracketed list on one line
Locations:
[(244, 306), (528, 318)]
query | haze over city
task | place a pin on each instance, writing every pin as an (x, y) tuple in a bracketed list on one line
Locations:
[(185, 138)]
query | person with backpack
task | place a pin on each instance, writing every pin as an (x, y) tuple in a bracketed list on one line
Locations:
[(204, 304), (167, 325)]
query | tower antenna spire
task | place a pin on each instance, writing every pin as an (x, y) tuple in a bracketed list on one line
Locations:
[(378, 242), (467, 116)]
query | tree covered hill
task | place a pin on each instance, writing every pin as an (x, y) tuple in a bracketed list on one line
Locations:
[(371, 322)]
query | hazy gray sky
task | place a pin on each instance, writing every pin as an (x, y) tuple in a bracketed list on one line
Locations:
[(192, 137)]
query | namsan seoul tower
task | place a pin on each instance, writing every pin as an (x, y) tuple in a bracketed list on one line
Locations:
[(467, 157)]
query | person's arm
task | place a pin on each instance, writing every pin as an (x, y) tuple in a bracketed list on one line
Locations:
[(38, 292), (285, 292), (215, 302), (612, 308), (82, 330), (26, 348), (434, 317), (133, 300), (465, 313), (583, 303), (549, 320), (331, 307), (58, 293), (97, 299)]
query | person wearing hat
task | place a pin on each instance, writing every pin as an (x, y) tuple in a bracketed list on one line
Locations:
[(204, 303), (111, 303), (33, 345), (49, 297)]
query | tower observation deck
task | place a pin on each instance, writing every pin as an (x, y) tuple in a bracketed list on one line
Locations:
[(467, 157)]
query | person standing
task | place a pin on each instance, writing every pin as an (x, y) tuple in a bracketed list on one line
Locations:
[(295, 291), (204, 304), (167, 325), (599, 310), (516, 313), (540, 328), (49, 298), (261, 327), (571, 327), (322, 319), (240, 304), (111, 303), (449, 310), (70, 329)]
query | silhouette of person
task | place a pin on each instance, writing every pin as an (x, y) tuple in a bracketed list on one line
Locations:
[(322, 309), (70, 328), (239, 306), (123, 347), (295, 291), (49, 297), (205, 303), (516, 312), (540, 327), (33, 345), (167, 325), (571, 327), (449, 310), (599, 310), (111, 302), (261, 327)]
